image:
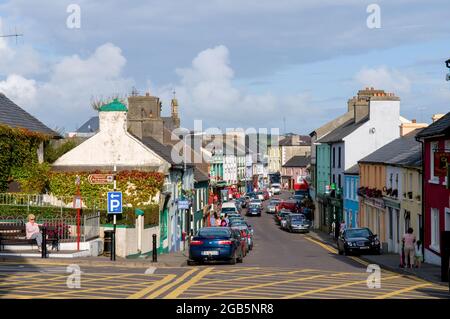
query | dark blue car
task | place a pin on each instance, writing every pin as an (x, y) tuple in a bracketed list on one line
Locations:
[(216, 244), (254, 210)]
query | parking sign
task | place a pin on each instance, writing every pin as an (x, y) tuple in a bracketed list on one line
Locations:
[(114, 203)]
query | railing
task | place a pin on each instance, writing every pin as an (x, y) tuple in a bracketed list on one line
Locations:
[(46, 200), (66, 226)]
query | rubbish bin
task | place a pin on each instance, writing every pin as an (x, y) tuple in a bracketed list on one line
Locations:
[(107, 243)]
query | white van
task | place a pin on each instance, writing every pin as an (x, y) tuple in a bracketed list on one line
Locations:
[(276, 188), (228, 207)]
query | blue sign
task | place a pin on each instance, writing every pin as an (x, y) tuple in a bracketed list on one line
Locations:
[(183, 204), (114, 202)]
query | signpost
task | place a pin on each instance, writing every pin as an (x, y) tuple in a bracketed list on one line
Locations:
[(77, 205), (114, 207), (101, 179)]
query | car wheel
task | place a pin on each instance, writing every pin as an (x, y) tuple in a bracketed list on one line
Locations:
[(240, 259), (232, 260)]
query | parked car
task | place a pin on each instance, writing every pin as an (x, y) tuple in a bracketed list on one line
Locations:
[(290, 204), (358, 240), (276, 188), (260, 195), (216, 244), (255, 202), (228, 207), (254, 210), (297, 223), (280, 215), (284, 220), (272, 206)]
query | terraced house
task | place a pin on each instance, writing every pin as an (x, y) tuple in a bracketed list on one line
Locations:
[(390, 190)]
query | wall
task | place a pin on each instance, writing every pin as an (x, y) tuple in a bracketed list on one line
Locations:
[(385, 119), (287, 152), (351, 201), (337, 170), (436, 196), (323, 167)]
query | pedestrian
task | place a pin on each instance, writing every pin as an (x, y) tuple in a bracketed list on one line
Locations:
[(418, 255), (409, 240), (223, 222), (212, 219), (32, 231), (342, 227), (218, 221)]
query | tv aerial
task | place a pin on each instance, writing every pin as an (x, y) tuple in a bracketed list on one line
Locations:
[(12, 35)]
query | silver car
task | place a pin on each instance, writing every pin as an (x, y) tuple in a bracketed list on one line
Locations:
[(271, 208), (297, 223)]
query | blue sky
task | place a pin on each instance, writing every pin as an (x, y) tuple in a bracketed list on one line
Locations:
[(233, 63)]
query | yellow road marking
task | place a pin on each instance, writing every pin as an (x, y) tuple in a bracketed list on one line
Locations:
[(265, 285), (332, 288), (324, 246), (19, 288), (180, 289), (398, 292), (250, 277), (151, 288), (90, 289), (172, 284)]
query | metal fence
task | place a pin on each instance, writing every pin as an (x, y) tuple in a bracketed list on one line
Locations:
[(46, 200), (66, 226)]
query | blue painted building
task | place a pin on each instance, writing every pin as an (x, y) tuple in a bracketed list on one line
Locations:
[(351, 201)]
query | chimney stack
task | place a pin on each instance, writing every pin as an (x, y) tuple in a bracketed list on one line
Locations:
[(406, 128)]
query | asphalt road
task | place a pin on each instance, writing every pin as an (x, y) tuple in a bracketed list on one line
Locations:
[(281, 265)]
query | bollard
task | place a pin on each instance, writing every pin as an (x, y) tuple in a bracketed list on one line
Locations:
[(44, 243), (154, 252)]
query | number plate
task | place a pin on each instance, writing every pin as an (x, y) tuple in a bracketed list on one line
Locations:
[(210, 253)]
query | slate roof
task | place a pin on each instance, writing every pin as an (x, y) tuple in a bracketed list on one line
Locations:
[(403, 151), (304, 140), (162, 150), (298, 161), (354, 170), (14, 116), (199, 175), (338, 134), (440, 127), (91, 125)]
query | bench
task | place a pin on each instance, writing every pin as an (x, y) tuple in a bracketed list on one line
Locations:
[(15, 234)]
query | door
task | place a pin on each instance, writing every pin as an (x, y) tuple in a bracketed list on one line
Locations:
[(163, 245)]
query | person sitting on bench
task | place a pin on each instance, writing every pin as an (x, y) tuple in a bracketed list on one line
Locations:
[(32, 230)]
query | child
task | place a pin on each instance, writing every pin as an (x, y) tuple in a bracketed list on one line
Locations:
[(418, 254)]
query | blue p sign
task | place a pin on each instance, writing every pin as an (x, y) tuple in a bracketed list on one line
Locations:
[(114, 202)]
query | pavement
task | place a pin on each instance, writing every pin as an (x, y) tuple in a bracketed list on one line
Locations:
[(390, 261)]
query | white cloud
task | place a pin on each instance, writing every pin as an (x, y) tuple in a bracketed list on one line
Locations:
[(384, 78), (19, 89), (206, 91), (64, 95)]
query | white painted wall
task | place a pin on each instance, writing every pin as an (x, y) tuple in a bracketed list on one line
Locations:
[(112, 145), (394, 171), (385, 119)]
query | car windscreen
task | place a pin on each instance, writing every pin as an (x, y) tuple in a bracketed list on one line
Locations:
[(228, 209), (274, 202), (214, 232), (297, 218), (354, 233)]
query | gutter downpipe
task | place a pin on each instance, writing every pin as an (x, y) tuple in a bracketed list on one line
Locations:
[(422, 231)]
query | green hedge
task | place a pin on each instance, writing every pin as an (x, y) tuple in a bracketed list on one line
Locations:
[(151, 213)]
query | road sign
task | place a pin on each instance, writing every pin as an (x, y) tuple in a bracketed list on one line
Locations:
[(101, 178), (114, 203), (183, 204)]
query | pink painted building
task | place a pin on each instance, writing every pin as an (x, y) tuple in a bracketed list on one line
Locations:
[(294, 169)]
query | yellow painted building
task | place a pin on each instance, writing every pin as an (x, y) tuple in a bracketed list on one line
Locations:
[(371, 205), (411, 200)]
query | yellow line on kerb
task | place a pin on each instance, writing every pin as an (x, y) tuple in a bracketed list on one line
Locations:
[(324, 246), (178, 291), (154, 286), (172, 284), (398, 292)]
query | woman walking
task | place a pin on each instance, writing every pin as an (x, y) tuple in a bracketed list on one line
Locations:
[(409, 240)]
